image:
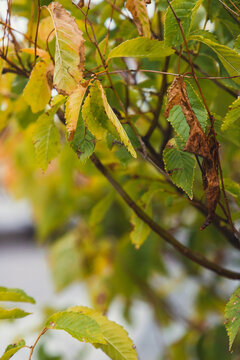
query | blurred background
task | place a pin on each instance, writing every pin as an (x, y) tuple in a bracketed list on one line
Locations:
[(65, 236)]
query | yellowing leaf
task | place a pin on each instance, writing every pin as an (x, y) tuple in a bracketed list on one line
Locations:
[(18, 295), (140, 16), (141, 47), (232, 316), (12, 349), (69, 52), (118, 344), (232, 115), (116, 123), (37, 92), (45, 30), (40, 52), (77, 324), (12, 313), (73, 105), (46, 136)]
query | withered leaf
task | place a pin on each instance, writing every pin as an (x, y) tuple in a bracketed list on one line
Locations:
[(140, 16), (199, 144)]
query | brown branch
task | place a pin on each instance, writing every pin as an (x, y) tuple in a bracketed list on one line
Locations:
[(167, 237), (34, 345), (36, 35)]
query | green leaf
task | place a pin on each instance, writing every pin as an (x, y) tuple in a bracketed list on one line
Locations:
[(12, 349), (229, 57), (116, 123), (140, 230), (118, 344), (237, 44), (177, 118), (100, 209), (180, 165), (184, 10), (37, 93), (73, 105), (46, 139), (233, 115), (140, 16), (83, 142), (69, 53), (18, 295), (12, 313), (65, 260), (141, 47), (78, 325), (233, 188), (232, 316)]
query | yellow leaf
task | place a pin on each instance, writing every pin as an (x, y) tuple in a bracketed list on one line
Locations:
[(40, 52), (37, 92), (73, 105)]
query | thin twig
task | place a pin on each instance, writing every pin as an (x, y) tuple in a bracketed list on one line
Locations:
[(229, 9), (34, 345), (36, 36)]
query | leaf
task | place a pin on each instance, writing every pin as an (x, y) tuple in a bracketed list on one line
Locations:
[(118, 344), (100, 209), (69, 53), (180, 165), (83, 142), (116, 123), (40, 52), (97, 112), (65, 260), (232, 116), (12, 349), (73, 105), (18, 295), (46, 136), (184, 10), (140, 230), (232, 316), (229, 57), (233, 188), (199, 144), (94, 115), (140, 16), (78, 325), (37, 92), (197, 140), (141, 47), (177, 118), (12, 313), (237, 44)]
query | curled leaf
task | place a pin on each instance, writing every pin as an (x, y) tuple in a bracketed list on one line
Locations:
[(140, 16), (199, 144)]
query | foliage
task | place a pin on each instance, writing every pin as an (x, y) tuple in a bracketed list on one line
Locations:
[(120, 125)]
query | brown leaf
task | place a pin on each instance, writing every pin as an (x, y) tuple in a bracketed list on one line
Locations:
[(199, 144), (140, 16)]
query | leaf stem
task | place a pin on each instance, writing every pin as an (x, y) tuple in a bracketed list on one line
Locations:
[(34, 345)]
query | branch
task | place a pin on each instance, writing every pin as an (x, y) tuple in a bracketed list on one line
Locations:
[(167, 237)]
